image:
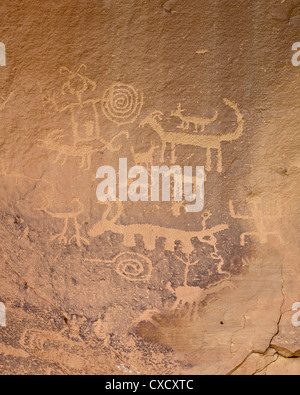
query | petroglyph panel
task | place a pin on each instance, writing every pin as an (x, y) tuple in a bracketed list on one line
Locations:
[(146, 287)]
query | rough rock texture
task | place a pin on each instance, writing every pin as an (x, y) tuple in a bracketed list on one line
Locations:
[(105, 288)]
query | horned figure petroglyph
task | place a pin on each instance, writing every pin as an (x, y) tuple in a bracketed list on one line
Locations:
[(196, 121), (144, 158), (56, 347), (83, 151), (85, 127), (208, 142), (72, 215), (259, 218), (151, 232)]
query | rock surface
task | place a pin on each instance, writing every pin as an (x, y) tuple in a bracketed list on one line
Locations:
[(146, 288)]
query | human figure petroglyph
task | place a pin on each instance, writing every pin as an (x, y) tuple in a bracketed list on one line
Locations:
[(144, 158), (77, 84), (151, 232), (78, 209), (177, 208), (196, 121), (259, 218), (208, 142), (2, 315), (83, 151)]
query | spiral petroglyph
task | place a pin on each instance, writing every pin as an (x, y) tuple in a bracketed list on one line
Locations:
[(122, 104), (134, 267)]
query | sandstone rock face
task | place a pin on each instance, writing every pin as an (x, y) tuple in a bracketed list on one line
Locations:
[(90, 287)]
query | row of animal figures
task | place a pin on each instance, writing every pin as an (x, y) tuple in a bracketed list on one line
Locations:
[(86, 148)]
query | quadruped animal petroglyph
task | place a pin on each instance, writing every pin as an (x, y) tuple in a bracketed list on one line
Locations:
[(144, 158), (196, 121), (139, 189), (206, 141), (131, 266)]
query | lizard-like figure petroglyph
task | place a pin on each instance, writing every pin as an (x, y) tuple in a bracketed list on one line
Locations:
[(151, 232)]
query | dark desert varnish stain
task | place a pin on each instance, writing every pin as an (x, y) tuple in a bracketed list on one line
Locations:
[(171, 330)]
